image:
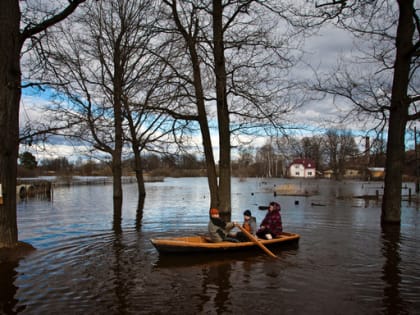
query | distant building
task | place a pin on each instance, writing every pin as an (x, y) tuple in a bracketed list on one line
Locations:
[(352, 173), (376, 172), (328, 174), (302, 168)]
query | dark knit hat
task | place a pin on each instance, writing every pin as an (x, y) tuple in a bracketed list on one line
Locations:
[(247, 213)]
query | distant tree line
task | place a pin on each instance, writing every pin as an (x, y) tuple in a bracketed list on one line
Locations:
[(336, 151)]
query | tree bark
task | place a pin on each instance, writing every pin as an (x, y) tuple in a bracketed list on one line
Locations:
[(135, 146), (10, 77), (204, 127), (118, 131), (391, 203), (117, 191), (138, 165), (222, 112), (191, 42), (11, 41)]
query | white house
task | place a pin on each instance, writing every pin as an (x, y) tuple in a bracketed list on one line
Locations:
[(302, 168)]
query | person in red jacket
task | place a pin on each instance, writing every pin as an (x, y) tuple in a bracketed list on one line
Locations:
[(271, 226)]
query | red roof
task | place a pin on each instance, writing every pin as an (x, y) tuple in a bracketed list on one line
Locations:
[(307, 163)]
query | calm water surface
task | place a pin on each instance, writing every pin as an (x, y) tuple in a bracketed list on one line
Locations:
[(344, 264)]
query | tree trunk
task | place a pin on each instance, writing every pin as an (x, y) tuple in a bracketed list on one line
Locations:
[(204, 127), (191, 42), (222, 112), (116, 156), (136, 147), (10, 94), (391, 203), (117, 190), (141, 188), (139, 213)]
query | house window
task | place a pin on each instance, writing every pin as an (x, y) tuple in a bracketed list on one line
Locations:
[(297, 173), (309, 173)]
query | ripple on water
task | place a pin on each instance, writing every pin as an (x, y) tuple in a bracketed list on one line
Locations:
[(344, 263)]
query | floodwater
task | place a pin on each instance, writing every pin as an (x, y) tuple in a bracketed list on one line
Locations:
[(345, 262)]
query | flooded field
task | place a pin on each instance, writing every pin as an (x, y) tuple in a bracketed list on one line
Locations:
[(345, 262)]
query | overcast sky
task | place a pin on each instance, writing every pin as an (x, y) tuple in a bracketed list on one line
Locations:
[(323, 51)]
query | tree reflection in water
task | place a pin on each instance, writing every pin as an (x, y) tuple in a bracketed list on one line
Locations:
[(8, 290), (392, 301), (216, 288)]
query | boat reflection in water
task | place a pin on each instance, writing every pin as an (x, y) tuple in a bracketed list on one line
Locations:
[(345, 262)]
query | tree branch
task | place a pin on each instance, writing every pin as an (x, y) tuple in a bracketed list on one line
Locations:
[(334, 2), (35, 29)]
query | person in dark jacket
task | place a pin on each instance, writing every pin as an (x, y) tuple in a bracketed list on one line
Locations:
[(219, 229), (250, 225), (271, 226)]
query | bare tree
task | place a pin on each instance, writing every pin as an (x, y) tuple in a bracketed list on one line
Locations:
[(270, 160), (340, 146), (16, 28), (313, 149), (108, 76), (387, 91), (187, 29), (246, 84)]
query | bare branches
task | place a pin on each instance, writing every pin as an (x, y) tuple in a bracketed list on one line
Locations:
[(31, 30), (333, 2)]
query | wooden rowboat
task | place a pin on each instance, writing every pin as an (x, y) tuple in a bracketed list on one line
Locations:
[(200, 244)]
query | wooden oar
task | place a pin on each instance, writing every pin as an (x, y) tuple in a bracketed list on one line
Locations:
[(256, 241)]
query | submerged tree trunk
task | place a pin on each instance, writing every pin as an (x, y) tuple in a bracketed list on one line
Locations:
[(222, 112), (391, 203), (139, 213), (141, 197), (141, 188), (118, 130), (117, 191), (10, 77)]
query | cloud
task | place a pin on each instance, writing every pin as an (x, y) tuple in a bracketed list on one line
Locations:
[(322, 52), (324, 48)]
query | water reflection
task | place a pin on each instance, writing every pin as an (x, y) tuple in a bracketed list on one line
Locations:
[(139, 212), (119, 282), (393, 302), (216, 287), (8, 302), (84, 265)]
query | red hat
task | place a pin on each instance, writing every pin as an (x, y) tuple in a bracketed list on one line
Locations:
[(214, 211)]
